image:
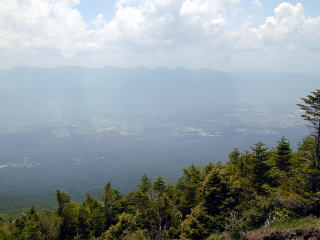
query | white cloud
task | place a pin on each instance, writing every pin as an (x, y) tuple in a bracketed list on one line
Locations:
[(154, 25), (192, 33), (286, 27), (288, 39), (43, 24), (206, 7)]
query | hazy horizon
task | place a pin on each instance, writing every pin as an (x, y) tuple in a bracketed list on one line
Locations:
[(76, 128), (261, 71)]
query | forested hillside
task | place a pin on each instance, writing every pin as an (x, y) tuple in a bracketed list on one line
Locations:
[(256, 188)]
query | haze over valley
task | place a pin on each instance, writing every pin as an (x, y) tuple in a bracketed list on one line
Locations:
[(77, 128)]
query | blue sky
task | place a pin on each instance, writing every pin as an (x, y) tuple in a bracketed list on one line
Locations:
[(228, 35), (91, 8)]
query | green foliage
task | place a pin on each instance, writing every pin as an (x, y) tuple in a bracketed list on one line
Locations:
[(218, 236), (311, 108), (188, 189), (159, 185), (234, 156), (91, 218), (63, 199), (145, 184), (215, 192), (28, 226), (256, 210), (137, 235), (49, 225), (35, 226), (197, 225), (260, 169), (126, 224), (7, 232), (68, 212), (278, 215), (210, 215), (283, 155), (234, 226), (112, 205)]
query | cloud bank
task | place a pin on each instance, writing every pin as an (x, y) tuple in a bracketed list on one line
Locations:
[(190, 33)]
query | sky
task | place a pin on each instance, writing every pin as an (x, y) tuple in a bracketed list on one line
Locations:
[(226, 35)]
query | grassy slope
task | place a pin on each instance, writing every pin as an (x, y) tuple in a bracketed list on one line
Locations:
[(290, 224), (294, 224)]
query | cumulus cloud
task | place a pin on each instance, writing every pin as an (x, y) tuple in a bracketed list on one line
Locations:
[(290, 28), (163, 25), (153, 24), (43, 24), (160, 31)]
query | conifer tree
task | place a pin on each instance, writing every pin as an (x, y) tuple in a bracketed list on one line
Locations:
[(283, 155), (260, 168), (209, 215), (111, 203), (29, 226), (307, 174), (197, 225), (159, 185), (63, 199), (214, 191), (234, 156), (91, 218), (188, 187), (125, 225), (311, 108), (69, 216), (240, 162), (145, 184)]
